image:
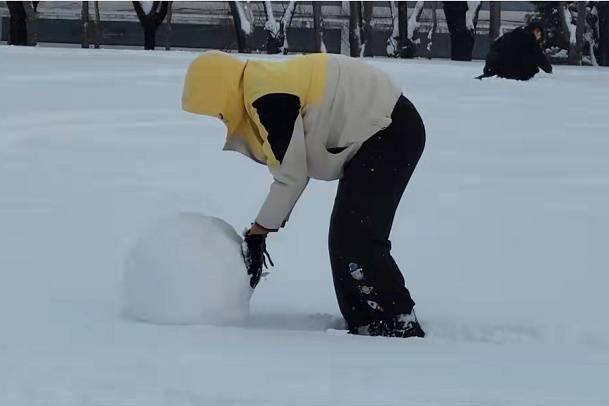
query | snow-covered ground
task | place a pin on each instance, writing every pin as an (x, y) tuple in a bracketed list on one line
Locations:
[(502, 236)]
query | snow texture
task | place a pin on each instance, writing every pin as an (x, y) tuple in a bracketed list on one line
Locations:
[(501, 235), (473, 7), (570, 25), (413, 23), (245, 17), (187, 269)]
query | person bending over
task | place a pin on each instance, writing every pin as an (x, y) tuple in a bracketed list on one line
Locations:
[(325, 117)]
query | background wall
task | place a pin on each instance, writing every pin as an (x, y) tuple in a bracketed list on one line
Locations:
[(210, 25)]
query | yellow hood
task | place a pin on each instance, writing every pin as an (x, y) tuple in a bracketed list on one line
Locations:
[(222, 86), (214, 87)]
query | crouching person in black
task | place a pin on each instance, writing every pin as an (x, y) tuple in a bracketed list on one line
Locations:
[(517, 54)]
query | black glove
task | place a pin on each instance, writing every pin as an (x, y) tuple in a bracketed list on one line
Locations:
[(255, 255)]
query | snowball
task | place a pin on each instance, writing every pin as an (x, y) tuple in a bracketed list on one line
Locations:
[(187, 269)]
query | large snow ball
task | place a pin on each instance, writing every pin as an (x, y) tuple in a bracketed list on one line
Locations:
[(187, 269)]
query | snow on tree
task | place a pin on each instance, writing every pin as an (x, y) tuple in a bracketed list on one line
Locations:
[(574, 23), (471, 15), (147, 6), (405, 40), (401, 42), (368, 8), (151, 20), (570, 39), (360, 28), (432, 32), (318, 27), (277, 31), (393, 47), (243, 19), (580, 28), (413, 23)]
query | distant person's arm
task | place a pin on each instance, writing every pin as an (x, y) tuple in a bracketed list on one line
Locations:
[(543, 62), (540, 57)]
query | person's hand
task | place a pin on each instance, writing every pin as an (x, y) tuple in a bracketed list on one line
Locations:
[(255, 255)]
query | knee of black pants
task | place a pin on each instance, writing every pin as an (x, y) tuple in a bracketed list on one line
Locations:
[(349, 249), (362, 249)]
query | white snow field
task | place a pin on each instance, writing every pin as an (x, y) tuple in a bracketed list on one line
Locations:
[(502, 236)]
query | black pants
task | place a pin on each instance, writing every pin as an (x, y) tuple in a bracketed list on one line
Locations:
[(509, 68), (522, 71), (369, 285)]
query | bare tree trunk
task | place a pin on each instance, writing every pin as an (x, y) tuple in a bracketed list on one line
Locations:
[(318, 27), (168, 28), (84, 22), (403, 25), (461, 37), (17, 24), (495, 20), (97, 25), (434, 27), (570, 32), (603, 33), (355, 30), (367, 28), (151, 21), (31, 21), (565, 22), (580, 30), (243, 19)]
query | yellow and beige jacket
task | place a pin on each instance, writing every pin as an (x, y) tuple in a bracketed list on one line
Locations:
[(340, 102)]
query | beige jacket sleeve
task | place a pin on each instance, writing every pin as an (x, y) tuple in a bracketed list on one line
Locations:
[(290, 179)]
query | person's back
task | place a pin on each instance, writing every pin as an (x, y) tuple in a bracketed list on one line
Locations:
[(517, 55)]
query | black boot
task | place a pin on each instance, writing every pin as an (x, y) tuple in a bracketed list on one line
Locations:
[(404, 325)]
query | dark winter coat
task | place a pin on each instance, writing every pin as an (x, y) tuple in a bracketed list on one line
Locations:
[(516, 55)]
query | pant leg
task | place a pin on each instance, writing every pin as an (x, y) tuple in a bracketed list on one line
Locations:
[(527, 71), (369, 285), (518, 70)]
